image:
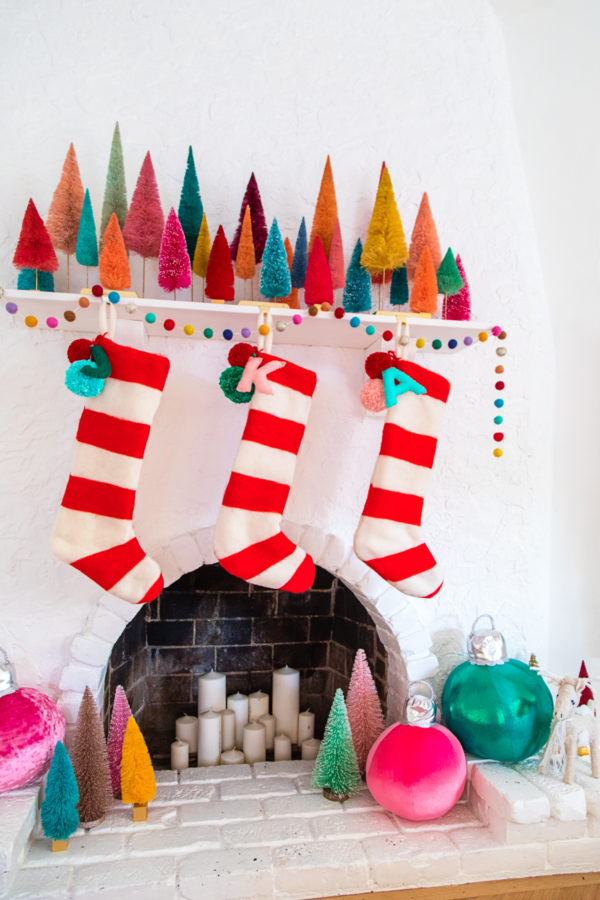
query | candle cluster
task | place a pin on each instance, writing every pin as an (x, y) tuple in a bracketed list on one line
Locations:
[(239, 728)]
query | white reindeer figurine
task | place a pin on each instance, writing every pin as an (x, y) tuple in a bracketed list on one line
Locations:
[(567, 725)]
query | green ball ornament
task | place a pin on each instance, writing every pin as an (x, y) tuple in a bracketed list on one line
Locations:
[(497, 707)]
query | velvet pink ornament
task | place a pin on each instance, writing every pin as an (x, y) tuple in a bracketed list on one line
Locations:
[(372, 395), (417, 773), (30, 725), (174, 269), (116, 732)]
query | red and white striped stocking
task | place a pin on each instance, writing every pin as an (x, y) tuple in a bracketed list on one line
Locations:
[(93, 531), (388, 537), (249, 542)]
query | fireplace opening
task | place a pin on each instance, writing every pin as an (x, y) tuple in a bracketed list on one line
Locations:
[(210, 619)]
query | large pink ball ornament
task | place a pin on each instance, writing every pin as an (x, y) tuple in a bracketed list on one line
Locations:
[(419, 771), (30, 725)]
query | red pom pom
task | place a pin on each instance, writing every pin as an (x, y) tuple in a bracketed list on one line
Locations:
[(97, 290), (79, 349), (240, 354), (339, 312), (377, 362), (387, 335)]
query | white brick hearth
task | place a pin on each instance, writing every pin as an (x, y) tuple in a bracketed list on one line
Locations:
[(263, 831)]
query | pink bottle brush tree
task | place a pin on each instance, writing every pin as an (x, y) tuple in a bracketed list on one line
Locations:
[(364, 709), (145, 220), (174, 269), (458, 306), (116, 732)]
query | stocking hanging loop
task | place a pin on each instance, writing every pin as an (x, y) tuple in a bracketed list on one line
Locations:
[(402, 339), (107, 324)]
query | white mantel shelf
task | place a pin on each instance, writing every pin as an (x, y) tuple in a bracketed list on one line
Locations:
[(321, 330)]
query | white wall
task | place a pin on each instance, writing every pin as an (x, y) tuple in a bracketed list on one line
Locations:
[(273, 88), (552, 50)]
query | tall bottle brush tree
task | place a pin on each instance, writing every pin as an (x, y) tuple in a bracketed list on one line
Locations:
[(34, 248), (115, 195), (424, 234), (59, 810), (275, 278), (378, 277), (458, 306), (202, 252), (423, 295), (259, 225), (317, 284), (326, 211), (336, 770), (65, 209), (174, 270), (219, 274), (357, 290), (138, 784), (121, 713), (113, 265), (90, 763), (385, 247), (86, 250), (190, 210), (145, 220), (245, 261), (300, 261), (364, 709)]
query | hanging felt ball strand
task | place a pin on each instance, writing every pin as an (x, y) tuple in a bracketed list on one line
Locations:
[(498, 707)]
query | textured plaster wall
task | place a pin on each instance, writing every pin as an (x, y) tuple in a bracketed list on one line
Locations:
[(273, 88)]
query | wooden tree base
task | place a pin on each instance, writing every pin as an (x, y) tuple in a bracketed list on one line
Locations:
[(140, 812), (330, 795), (59, 845)]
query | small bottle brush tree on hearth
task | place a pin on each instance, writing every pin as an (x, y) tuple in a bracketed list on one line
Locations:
[(65, 209), (202, 252), (86, 250), (116, 732), (90, 763), (59, 810), (138, 784), (336, 769), (275, 279), (364, 709), (145, 220), (34, 247), (115, 197), (113, 265), (174, 270)]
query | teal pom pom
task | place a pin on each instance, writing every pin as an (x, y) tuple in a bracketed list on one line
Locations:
[(228, 383), (81, 384)]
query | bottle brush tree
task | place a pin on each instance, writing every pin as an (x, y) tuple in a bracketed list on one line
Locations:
[(336, 258), (424, 234), (138, 784), (190, 210), (385, 247), (423, 296), (259, 225), (300, 261), (174, 270), (59, 810), (145, 222), (86, 249), (326, 211), (90, 763), (115, 196), (449, 279), (202, 252), (458, 305), (245, 261), (121, 713), (317, 284), (275, 279), (399, 287), (336, 770), (292, 297), (364, 709), (34, 247), (357, 290), (26, 280), (65, 209), (219, 273), (113, 265)]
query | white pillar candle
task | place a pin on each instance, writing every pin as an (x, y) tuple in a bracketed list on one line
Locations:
[(286, 701), (211, 692), (186, 729), (283, 747), (269, 722), (239, 704), (227, 729), (306, 726), (255, 742), (209, 738), (258, 705), (232, 758), (310, 748), (180, 755)]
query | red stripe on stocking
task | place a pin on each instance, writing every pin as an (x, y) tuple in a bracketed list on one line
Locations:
[(436, 385), (99, 498), (393, 505), (303, 577), (108, 567), (154, 591), (403, 565), (129, 364), (112, 433), (407, 445), (256, 558), (291, 376), (255, 494), (273, 431)]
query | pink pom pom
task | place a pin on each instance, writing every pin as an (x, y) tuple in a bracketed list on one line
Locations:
[(372, 395)]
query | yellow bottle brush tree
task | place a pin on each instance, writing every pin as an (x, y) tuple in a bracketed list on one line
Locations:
[(385, 247), (202, 253), (138, 784)]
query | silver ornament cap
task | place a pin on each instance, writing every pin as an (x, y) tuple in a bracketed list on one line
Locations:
[(8, 679), (486, 646), (420, 708)]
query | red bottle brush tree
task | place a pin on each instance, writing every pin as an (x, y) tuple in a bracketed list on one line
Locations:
[(317, 284), (219, 274), (336, 259), (364, 709), (326, 211), (423, 296), (174, 270), (90, 763), (458, 306), (424, 234), (145, 221), (34, 247), (259, 225), (113, 265), (65, 210)]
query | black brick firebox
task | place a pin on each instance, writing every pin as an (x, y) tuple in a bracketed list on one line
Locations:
[(210, 619)]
